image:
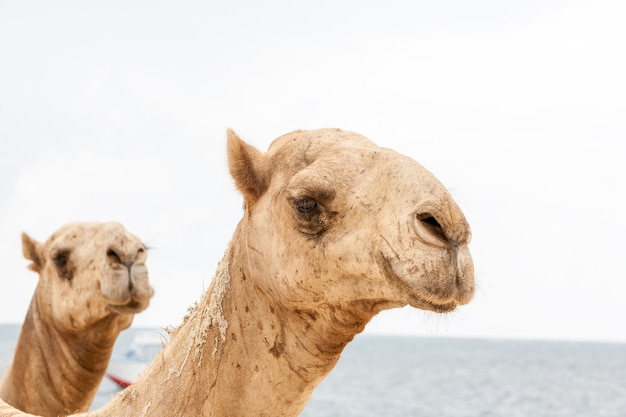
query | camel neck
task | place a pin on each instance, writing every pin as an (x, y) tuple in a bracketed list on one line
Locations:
[(274, 357), (238, 353), (66, 368)]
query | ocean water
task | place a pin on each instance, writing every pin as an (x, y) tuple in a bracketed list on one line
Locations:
[(384, 376), (443, 377)]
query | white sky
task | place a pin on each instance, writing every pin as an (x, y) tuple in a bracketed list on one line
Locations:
[(117, 110)]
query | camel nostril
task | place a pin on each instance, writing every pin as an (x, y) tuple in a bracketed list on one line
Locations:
[(113, 256), (432, 225), (120, 258)]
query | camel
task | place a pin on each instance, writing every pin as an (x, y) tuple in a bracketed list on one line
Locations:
[(335, 229), (92, 281)]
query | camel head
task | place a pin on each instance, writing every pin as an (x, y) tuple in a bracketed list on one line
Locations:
[(331, 218), (89, 272)]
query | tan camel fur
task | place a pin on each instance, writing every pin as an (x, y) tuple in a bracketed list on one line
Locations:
[(92, 281), (335, 229)]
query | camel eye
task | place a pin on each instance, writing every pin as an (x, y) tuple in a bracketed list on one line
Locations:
[(61, 257), (312, 217), (60, 260), (305, 205)]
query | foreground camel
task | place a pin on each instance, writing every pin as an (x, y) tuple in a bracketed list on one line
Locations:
[(92, 281), (335, 229)]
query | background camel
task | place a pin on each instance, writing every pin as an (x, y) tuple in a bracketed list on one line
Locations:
[(335, 229), (92, 280)]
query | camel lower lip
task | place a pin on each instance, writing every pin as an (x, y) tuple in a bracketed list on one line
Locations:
[(442, 308), (131, 307), (415, 300)]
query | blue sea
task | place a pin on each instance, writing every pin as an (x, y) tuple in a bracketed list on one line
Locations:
[(385, 376)]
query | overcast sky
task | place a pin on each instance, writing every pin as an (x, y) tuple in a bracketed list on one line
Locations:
[(117, 110)]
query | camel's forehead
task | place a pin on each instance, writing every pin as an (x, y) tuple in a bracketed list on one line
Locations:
[(82, 232), (314, 142), (341, 152)]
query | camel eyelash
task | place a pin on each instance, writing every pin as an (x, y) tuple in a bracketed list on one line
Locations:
[(306, 205), (312, 217)]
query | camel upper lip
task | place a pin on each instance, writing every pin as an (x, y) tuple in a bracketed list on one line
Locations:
[(414, 299)]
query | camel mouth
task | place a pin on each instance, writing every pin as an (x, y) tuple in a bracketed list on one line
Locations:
[(412, 296), (131, 307)]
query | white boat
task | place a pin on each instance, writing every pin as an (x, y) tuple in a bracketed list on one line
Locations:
[(124, 369)]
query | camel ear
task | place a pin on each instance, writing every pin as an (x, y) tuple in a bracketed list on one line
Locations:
[(245, 163), (32, 251)]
